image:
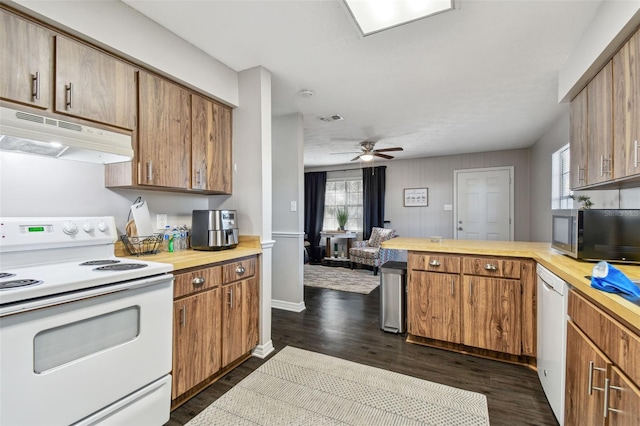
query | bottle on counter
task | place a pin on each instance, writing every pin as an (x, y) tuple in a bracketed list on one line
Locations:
[(166, 237)]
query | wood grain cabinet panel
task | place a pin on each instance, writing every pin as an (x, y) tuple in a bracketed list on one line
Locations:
[(196, 340), (578, 140), (195, 281), (491, 267), (211, 146), (93, 85), (600, 126), (434, 262), (491, 312), (232, 333), (434, 306), (626, 109), (26, 62), (238, 270), (164, 134), (623, 407)]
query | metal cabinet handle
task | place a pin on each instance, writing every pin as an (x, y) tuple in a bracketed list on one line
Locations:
[(590, 388), (183, 316), (230, 293), (607, 386), (470, 288), (149, 171), (581, 174), (240, 270), (69, 93), (198, 281), (198, 173), (635, 150), (452, 287), (490, 267), (35, 93), (434, 262)]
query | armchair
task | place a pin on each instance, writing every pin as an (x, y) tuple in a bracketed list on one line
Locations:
[(369, 252)]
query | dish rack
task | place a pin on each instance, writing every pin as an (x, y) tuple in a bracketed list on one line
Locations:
[(138, 246)]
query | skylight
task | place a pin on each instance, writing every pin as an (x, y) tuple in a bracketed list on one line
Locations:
[(373, 16)]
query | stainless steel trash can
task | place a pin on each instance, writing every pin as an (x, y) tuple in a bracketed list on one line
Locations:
[(393, 297)]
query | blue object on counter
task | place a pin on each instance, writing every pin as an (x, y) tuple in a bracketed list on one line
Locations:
[(607, 278)]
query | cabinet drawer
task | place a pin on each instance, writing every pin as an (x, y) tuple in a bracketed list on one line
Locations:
[(620, 344), (491, 267), (434, 262), (238, 270), (195, 281)]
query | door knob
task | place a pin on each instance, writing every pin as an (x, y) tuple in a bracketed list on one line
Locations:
[(459, 228)]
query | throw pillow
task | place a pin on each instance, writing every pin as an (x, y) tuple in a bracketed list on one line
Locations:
[(378, 235)]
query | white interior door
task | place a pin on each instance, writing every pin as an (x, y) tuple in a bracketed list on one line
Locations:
[(484, 204)]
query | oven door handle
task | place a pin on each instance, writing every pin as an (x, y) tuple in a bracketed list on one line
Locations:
[(46, 302)]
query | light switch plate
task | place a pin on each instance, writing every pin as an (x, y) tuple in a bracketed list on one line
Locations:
[(294, 206), (448, 207)]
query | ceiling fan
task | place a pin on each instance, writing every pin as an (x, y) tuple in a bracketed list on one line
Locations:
[(369, 151)]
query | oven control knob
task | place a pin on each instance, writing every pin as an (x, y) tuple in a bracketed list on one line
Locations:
[(70, 228), (88, 227), (103, 227)]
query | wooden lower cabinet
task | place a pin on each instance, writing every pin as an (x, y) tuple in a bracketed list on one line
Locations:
[(196, 340), (492, 314), (603, 364), (239, 312)]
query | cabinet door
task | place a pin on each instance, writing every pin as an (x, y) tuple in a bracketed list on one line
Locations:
[(211, 146), (196, 340), (251, 313), (600, 126), (26, 61), (492, 314), (434, 306), (164, 133), (93, 85), (585, 379), (626, 109), (578, 140), (623, 406), (233, 338)]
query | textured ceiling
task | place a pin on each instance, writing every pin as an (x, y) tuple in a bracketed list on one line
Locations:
[(482, 77)]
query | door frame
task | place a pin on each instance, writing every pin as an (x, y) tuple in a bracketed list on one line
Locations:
[(510, 169)]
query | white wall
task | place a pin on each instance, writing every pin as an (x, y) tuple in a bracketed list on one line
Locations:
[(118, 28), (288, 232)]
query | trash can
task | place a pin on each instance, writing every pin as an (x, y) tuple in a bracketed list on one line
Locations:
[(393, 297)]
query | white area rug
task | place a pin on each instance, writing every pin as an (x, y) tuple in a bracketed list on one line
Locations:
[(337, 278), (298, 387)]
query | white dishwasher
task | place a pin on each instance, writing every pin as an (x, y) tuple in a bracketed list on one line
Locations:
[(552, 338)]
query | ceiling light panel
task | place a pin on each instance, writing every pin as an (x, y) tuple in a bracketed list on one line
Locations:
[(373, 16)]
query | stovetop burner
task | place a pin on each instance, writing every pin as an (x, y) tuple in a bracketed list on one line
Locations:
[(121, 267), (6, 275), (7, 285), (99, 262)]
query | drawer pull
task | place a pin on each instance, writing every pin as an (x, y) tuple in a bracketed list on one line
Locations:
[(240, 270), (230, 293), (452, 287), (198, 281), (183, 316), (69, 93), (35, 95), (608, 386), (434, 262), (490, 267), (591, 387)]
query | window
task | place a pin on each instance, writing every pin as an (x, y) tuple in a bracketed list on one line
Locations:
[(560, 184), (343, 193)]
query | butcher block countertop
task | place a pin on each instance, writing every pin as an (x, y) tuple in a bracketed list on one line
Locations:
[(248, 246), (570, 270)]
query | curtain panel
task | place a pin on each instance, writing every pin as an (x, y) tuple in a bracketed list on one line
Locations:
[(315, 185), (373, 188)]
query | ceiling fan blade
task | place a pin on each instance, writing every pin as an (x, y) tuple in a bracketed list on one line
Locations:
[(388, 157), (397, 148), (357, 158)]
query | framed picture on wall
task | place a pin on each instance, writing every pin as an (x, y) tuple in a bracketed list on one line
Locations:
[(416, 197)]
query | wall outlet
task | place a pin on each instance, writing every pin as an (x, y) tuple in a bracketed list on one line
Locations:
[(161, 221), (294, 206)]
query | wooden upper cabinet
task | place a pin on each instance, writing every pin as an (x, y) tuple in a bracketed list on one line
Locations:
[(600, 126), (93, 85), (164, 133), (578, 140), (626, 108), (26, 61), (211, 146)]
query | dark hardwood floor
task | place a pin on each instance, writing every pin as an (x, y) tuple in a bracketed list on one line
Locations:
[(346, 325)]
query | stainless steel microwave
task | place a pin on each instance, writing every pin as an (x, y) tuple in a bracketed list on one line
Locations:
[(597, 234)]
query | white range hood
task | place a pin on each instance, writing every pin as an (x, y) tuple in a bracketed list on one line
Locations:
[(30, 133)]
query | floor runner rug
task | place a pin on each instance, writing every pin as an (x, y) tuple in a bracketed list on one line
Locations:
[(298, 387), (336, 278)]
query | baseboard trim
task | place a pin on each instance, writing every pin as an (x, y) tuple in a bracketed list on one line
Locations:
[(262, 351), (288, 306)]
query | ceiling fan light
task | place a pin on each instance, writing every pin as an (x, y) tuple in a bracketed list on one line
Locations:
[(366, 157)]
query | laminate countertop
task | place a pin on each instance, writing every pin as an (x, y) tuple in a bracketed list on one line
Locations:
[(570, 270), (186, 259)]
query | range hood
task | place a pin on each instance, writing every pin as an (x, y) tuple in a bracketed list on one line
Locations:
[(30, 133)]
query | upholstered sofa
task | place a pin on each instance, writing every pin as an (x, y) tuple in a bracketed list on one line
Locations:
[(369, 252)]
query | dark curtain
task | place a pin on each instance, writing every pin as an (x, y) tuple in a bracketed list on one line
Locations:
[(373, 187), (315, 185)]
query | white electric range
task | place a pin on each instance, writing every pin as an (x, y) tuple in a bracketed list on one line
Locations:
[(85, 337)]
